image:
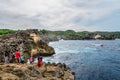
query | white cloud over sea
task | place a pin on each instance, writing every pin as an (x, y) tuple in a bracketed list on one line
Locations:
[(79, 15)]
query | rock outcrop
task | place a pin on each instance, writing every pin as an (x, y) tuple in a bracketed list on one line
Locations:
[(48, 38), (97, 36), (28, 42), (32, 72)]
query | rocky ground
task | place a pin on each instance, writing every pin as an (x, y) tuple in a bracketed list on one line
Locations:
[(32, 72)]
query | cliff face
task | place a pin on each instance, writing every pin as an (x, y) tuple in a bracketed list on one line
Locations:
[(48, 38), (28, 42), (32, 72)]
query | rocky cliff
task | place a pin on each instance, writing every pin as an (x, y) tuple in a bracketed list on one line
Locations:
[(48, 38), (26, 41), (32, 72)]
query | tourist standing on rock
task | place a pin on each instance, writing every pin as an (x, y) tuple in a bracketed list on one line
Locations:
[(6, 57), (17, 56), (22, 59), (39, 60), (31, 60), (13, 57)]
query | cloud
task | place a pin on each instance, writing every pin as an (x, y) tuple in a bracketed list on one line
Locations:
[(56, 14)]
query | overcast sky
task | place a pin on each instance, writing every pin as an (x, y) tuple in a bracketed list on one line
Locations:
[(78, 15)]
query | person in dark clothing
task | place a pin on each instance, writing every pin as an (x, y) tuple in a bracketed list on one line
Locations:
[(11, 58)]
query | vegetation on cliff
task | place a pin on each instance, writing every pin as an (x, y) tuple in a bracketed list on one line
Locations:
[(84, 35), (70, 35), (6, 31)]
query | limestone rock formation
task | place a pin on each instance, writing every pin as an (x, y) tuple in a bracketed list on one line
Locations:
[(26, 41), (98, 36), (32, 72)]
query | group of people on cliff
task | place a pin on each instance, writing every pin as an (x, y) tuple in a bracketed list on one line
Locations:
[(18, 57)]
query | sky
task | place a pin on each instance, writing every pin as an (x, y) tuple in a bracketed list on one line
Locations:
[(78, 15)]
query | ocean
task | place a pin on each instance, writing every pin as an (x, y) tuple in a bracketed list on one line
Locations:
[(89, 59)]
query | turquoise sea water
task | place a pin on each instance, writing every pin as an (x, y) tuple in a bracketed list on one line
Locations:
[(88, 59)]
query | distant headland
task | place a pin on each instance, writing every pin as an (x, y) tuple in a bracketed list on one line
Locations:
[(48, 35)]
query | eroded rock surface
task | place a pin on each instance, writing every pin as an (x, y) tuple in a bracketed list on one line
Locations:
[(32, 72)]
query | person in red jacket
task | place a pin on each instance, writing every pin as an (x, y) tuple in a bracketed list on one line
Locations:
[(17, 56), (39, 60)]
